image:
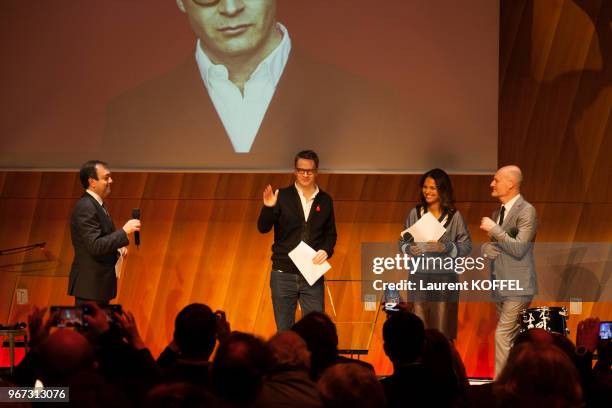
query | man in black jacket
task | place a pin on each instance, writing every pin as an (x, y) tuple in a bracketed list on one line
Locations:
[(97, 244), (300, 212)]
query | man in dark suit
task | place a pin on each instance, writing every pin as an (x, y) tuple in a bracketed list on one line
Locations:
[(512, 229), (300, 212), (249, 99), (97, 244)]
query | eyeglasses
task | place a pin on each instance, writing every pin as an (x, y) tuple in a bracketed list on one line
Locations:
[(305, 172)]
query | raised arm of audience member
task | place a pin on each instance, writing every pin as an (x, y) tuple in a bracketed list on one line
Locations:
[(127, 323), (604, 357), (124, 359), (97, 323), (38, 330), (222, 326), (601, 395), (587, 338), (601, 392)]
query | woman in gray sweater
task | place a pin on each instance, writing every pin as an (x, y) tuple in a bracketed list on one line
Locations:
[(438, 308)]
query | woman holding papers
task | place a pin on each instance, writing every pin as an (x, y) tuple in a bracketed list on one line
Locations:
[(438, 307)]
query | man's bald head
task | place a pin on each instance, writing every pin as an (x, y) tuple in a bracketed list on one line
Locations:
[(506, 183), (513, 172), (64, 354)]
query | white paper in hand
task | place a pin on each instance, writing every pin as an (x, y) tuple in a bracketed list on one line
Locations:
[(302, 256), (119, 264), (427, 228), (119, 267)]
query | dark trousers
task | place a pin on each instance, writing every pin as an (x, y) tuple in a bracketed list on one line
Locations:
[(79, 301), (287, 290)]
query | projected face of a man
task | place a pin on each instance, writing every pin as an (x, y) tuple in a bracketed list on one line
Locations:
[(231, 28)]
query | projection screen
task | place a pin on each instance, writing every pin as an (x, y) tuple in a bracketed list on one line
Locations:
[(390, 86)]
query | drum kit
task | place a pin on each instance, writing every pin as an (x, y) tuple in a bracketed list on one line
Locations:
[(551, 319)]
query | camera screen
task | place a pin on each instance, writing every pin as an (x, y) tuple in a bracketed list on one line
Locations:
[(391, 307), (72, 316), (67, 316), (605, 330)]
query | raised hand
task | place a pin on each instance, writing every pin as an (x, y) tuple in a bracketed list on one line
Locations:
[(130, 330), (222, 325), (587, 335), (39, 329), (487, 224), (269, 197), (97, 321)]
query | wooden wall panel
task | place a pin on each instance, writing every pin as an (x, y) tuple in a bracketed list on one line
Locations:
[(201, 246), (199, 237), (180, 267), (16, 217), (556, 97), (8, 286)]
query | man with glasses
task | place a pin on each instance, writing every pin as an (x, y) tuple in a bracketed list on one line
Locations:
[(299, 212)]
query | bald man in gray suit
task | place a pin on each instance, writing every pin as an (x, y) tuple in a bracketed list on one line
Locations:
[(512, 230)]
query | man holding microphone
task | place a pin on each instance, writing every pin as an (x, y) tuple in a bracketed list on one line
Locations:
[(97, 244)]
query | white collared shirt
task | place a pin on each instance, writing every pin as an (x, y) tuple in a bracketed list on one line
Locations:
[(508, 206), (307, 202), (242, 115), (96, 196)]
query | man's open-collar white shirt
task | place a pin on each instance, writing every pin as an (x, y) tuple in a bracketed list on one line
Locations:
[(306, 202), (242, 115), (95, 196)]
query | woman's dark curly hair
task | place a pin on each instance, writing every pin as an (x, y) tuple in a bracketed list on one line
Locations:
[(445, 191)]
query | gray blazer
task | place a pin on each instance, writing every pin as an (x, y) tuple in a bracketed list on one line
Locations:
[(515, 238)]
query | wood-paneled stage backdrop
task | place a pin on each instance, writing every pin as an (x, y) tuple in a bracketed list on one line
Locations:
[(200, 242)]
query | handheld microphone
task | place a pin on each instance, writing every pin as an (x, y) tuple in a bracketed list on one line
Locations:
[(405, 242), (136, 216), (407, 237)]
